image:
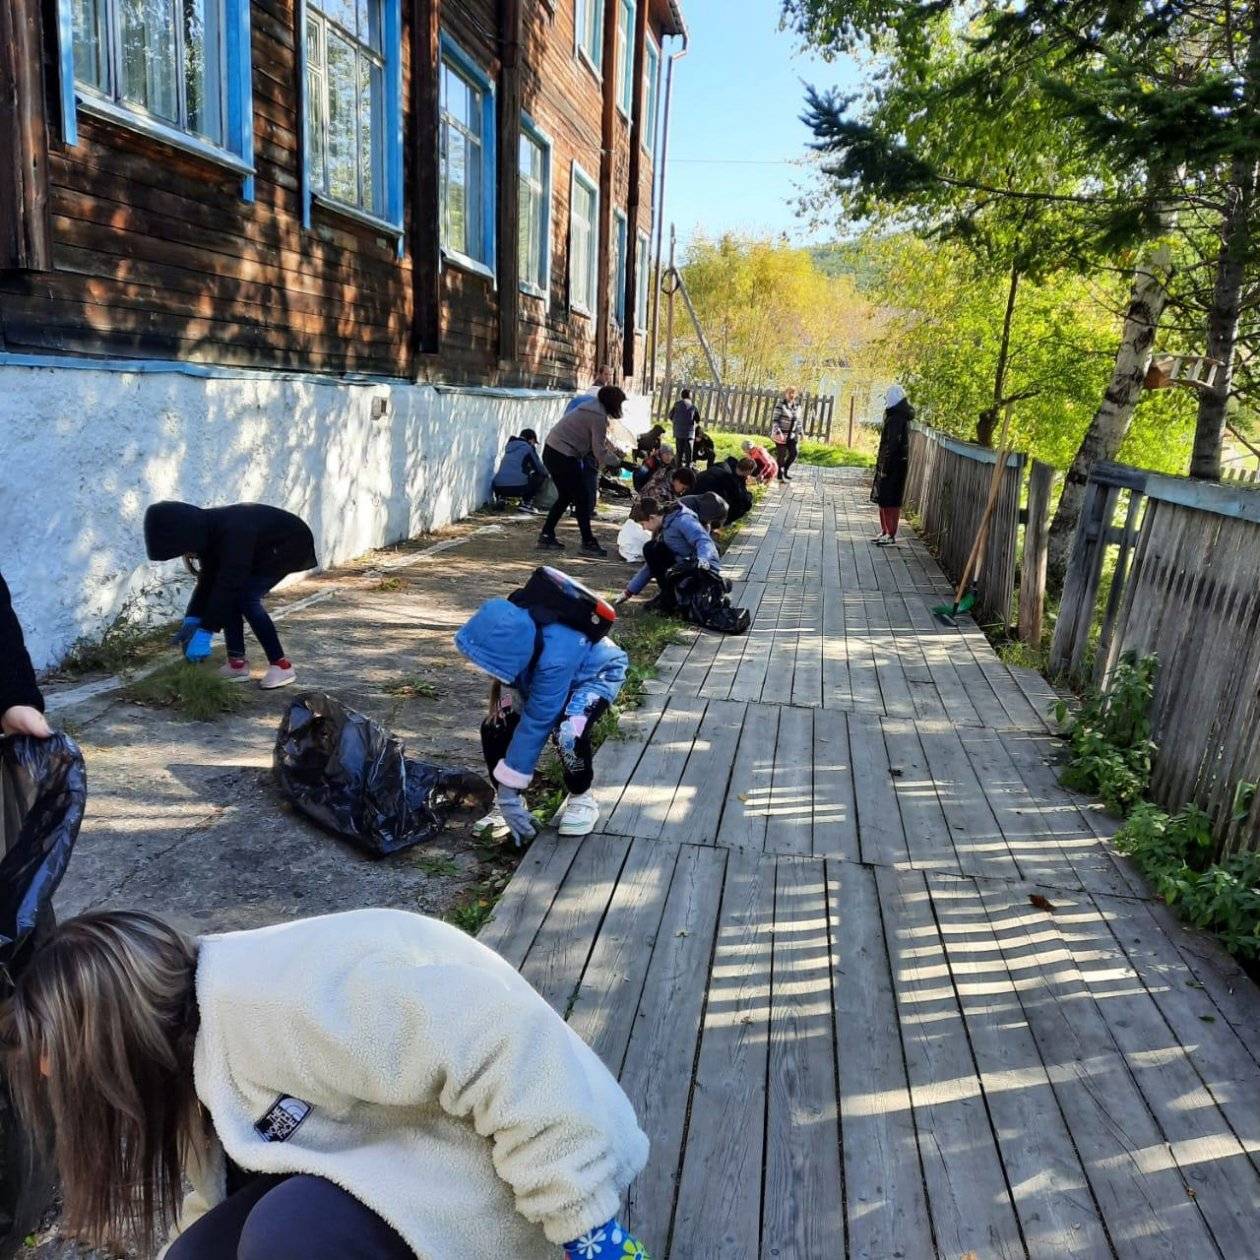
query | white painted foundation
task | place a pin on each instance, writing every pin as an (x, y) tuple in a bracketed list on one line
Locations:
[(84, 450)]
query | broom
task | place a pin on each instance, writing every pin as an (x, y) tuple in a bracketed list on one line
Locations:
[(966, 593)]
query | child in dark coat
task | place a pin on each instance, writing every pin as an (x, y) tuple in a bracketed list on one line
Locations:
[(238, 554), (559, 685), (21, 705)]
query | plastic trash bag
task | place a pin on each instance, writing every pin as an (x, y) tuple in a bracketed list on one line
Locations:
[(703, 598), (351, 776), (43, 792)]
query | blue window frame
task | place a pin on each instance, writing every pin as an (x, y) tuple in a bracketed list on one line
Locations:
[(468, 174), (534, 225), (178, 72), (588, 33), (620, 241), (583, 242), (643, 282), (652, 95), (625, 56), (352, 125)]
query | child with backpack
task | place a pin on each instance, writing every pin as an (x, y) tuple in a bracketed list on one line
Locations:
[(555, 673)]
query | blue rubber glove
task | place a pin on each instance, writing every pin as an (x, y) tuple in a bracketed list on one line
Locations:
[(608, 1242), (187, 628), (198, 648), (516, 814)]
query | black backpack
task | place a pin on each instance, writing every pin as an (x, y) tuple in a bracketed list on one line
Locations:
[(551, 596), (703, 598)]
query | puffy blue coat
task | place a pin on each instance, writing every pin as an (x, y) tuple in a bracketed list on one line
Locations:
[(687, 538), (500, 639)]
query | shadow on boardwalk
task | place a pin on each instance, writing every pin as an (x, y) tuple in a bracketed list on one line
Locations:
[(805, 943)]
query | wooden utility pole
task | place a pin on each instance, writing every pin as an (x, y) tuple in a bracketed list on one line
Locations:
[(851, 400), (669, 319)]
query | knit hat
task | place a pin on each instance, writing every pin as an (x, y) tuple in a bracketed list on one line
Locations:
[(895, 395), (709, 507)]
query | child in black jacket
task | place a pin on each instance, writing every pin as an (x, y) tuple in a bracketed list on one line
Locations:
[(21, 705), (238, 554)]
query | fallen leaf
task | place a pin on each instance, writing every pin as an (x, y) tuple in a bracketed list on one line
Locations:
[(1042, 903), (1191, 1193), (743, 797), (682, 932), (1193, 984), (1208, 1019)]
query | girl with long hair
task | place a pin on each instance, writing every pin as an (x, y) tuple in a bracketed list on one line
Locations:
[(366, 1086)]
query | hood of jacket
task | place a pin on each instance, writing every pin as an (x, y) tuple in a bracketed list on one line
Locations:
[(709, 507), (901, 411), (175, 529), (500, 639), (517, 445)]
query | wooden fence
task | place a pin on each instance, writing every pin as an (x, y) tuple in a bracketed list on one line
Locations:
[(947, 488), (1185, 588), (739, 410)]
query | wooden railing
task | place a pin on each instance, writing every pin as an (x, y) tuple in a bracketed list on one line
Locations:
[(1186, 588), (739, 410), (947, 488)]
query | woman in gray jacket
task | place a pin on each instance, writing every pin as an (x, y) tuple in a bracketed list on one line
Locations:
[(785, 430)]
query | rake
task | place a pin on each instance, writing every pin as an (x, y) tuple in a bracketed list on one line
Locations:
[(967, 593)]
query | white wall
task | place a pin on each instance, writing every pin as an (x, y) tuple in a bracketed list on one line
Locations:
[(83, 452)]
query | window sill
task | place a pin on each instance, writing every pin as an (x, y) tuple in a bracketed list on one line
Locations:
[(465, 263), (363, 217), (534, 291), (625, 113), (585, 58), (584, 312), (151, 128)]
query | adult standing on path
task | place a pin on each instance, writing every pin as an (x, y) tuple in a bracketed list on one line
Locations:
[(785, 431), (21, 705), (685, 417), (576, 448), (892, 464)]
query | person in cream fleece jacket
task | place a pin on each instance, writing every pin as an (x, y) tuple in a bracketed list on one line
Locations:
[(369, 1084)]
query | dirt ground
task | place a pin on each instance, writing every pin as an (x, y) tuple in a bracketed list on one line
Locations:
[(184, 818)]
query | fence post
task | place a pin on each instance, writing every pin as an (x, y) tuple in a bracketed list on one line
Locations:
[(1032, 580), (850, 421)]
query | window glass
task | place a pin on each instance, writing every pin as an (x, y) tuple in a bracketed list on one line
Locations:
[(534, 195), (463, 158)]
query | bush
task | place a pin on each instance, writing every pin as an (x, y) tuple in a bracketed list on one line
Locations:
[(1111, 737), (1174, 853), (195, 691)]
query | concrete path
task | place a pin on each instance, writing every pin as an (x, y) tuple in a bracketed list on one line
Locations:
[(805, 941)]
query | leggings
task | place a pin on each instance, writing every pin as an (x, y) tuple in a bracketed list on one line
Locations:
[(889, 519), (787, 456), (290, 1218), (577, 757), (249, 607), (574, 488)]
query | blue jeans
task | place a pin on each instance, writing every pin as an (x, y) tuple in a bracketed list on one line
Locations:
[(249, 607), (290, 1218)]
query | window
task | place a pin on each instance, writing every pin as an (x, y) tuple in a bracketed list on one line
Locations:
[(534, 228), (619, 267), (588, 21), (643, 282), (176, 69), (583, 242), (352, 131), (651, 98), (466, 145), (625, 56)]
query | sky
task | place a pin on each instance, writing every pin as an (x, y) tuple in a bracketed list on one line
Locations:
[(735, 124)]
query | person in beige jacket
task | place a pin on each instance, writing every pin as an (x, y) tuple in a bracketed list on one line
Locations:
[(370, 1084)]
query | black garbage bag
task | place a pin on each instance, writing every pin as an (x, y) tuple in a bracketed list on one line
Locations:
[(43, 792), (703, 598), (351, 776)]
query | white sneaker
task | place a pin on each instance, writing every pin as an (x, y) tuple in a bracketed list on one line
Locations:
[(493, 826), (879, 541), (580, 816), (234, 673), (277, 676)]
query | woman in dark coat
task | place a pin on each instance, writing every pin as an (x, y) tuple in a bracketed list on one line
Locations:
[(21, 705), (892, 464), (238, 554)]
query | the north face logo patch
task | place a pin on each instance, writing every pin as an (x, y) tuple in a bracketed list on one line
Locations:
[(283, 1120)]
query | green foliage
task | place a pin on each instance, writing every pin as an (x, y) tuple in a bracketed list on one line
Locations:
[(473, 913), (196, 691), (439, 866), (1175, 854), (413, 687), (820, 454), (1112, 747), (122, 646)]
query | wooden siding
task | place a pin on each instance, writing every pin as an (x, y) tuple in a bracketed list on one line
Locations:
[(154, 254)]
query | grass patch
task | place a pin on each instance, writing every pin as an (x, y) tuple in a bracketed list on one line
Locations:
[(196, 692), (821, 454), (1023, 655), (123, 645), (413, 687), (439, 867), (473, 913), (390, 584)]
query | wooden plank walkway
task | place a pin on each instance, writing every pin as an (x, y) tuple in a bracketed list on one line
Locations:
[(803, 940)]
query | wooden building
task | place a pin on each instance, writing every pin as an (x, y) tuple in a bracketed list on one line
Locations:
[(455, 191)]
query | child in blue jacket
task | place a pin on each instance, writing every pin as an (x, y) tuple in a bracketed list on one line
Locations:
[(680, 532), (559, 685)]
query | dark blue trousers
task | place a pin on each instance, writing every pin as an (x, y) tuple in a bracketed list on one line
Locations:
[(290, 1218), (249, 607)]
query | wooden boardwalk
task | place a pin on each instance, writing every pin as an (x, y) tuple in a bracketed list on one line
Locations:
[(803, 940)]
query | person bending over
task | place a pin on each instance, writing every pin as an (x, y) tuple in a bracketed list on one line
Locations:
[(521, 473), (21, 704), (679, 532), (373, 1085), (767, 467), (729, 479)]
